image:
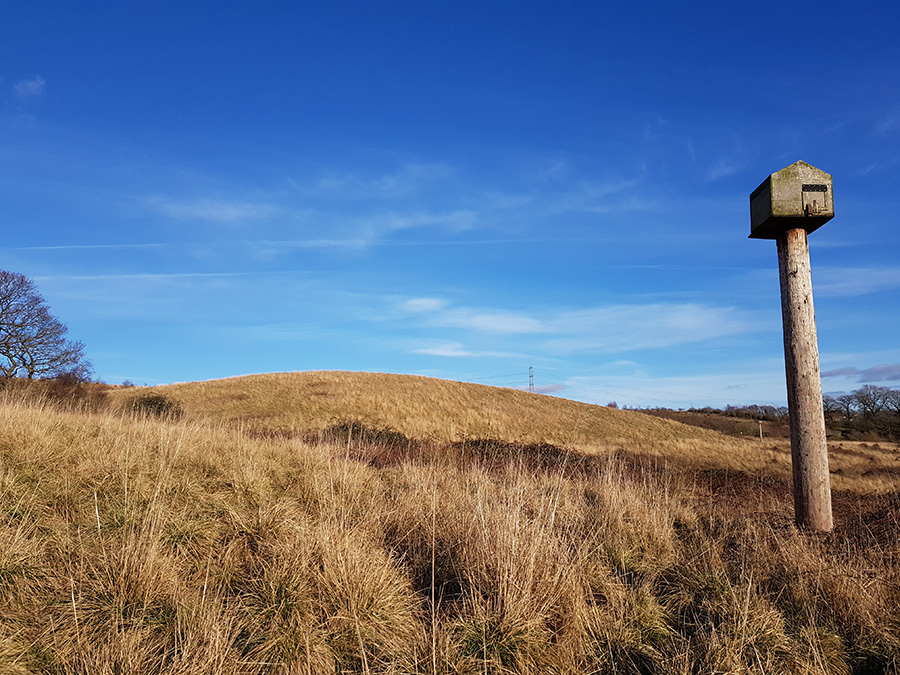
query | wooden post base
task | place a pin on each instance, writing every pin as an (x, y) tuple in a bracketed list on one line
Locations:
[(809, 451)]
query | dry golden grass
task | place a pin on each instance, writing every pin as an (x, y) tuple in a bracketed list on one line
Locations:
[(303, 404), (133, 544), (419, 407)]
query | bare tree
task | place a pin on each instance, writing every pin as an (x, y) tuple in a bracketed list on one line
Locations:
[(832, 407), (872, 399), (847, 403), (893, 401), (32, 341)]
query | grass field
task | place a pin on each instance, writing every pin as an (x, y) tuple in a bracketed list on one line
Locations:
[(305, 405), (316, 523), (419, 407)]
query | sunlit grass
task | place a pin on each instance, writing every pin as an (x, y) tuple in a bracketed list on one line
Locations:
[(136, 544), (306, 404), (419, 407)]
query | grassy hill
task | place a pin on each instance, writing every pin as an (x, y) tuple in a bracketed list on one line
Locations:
[(423, 408), (419, 407), (234, 539)]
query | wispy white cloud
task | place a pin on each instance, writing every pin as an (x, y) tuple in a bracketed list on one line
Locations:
[(723, 168), (854, 281), (376, 229), (150, 276), (839, 359), (601, 197), (553, 170), (619, 328), (493, 322), (438, 313), (213, 210), (505, 201), (728, 156), (85, 247), (407, 181), (213, 301), (271, 248), (392, 222), (887, 125), (452, 349), (278, 332), (424, 305), (612, 328), (29, 89), (448, 349)]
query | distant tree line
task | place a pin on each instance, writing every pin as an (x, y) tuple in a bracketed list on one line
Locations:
[(869, 409), (769, 413), (869, 413)]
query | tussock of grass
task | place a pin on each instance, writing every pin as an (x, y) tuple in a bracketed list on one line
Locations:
[(139, 544)]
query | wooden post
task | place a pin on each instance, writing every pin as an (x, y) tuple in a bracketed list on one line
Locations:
[(809, 450), (786, 207)]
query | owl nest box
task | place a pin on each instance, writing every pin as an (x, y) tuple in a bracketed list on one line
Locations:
[(798, 196)]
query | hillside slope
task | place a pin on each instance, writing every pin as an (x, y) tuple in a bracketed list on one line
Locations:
[(132, 543), (304, 404), (419, 407)]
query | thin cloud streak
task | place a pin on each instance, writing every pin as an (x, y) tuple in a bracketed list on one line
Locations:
[(152, 276), (448, 349), (622, 328), (424, 305), (613, 328), (358, 243), (376, 227), (408, 181), (82, 247), (213, 210), (437, 312), (854, 281), (455, 350)]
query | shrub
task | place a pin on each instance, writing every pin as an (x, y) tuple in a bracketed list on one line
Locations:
[(154, 404)]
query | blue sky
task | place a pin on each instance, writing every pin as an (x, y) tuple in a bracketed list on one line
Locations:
[(461, 190)]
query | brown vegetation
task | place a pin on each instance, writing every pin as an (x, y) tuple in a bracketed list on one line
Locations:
[(418, 407), (134, 543)]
